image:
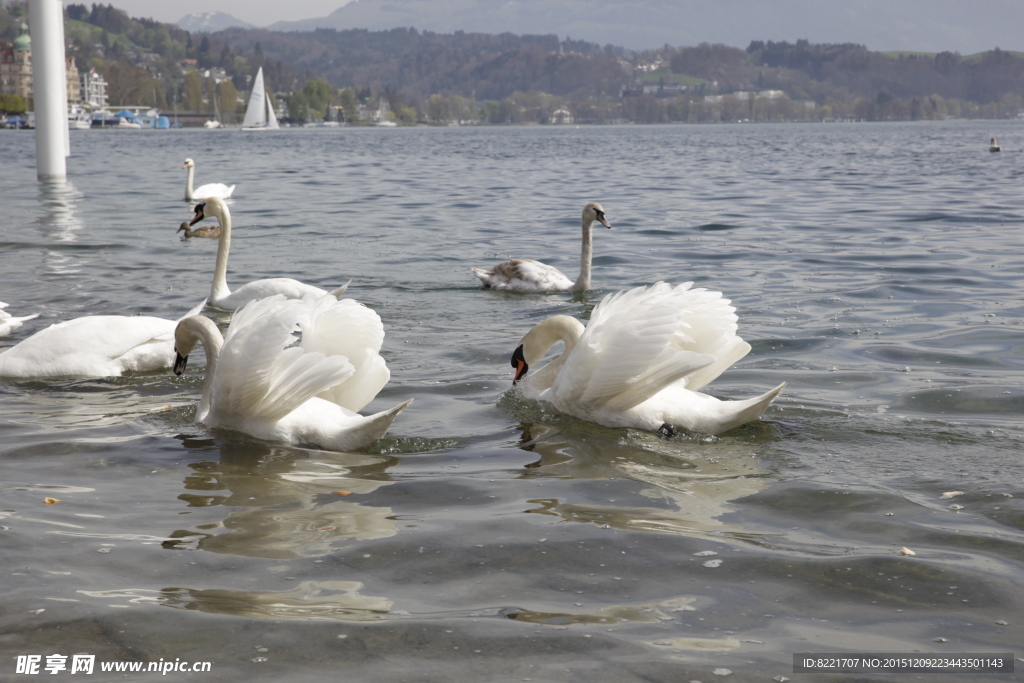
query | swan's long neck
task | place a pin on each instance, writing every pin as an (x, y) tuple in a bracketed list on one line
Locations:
[(586, 253), (188, 183), (219, 290), (202, 329), (539, 340)]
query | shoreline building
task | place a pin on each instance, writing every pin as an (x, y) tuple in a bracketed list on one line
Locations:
[(94, 90), (16, 66), (16, 72)]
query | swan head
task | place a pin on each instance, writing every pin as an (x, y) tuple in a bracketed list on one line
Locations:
[(188, 164), (184, 226), (539, 340), (519, 364), (185, 341), (212, 207), (595, 212)]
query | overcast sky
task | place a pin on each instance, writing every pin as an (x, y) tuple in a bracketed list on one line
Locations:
[(258, 12)]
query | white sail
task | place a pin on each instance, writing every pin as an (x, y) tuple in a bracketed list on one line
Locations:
[(256, 114), (271, 117)]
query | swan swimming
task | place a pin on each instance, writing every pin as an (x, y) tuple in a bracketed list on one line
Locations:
[(526, 275), (993, 146), (222, 297), (641, 361), (9, 323), (203, 191), (259, 382), (208, 231), (94, 346)]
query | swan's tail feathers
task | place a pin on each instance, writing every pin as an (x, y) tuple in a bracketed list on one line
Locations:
[(9, 323), (195, 311), (752, 408), (374, 428), (484, 275), (231, 190), (6, 317), (340, 290)]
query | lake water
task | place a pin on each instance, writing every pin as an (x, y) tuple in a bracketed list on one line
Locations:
[(877, 269)]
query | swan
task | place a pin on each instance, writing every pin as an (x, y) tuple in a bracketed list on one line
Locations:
[(526, 275), (641, 361), (993, 146), (203, 191), (210, 231), (222, 297), (9, 323), (259, 383), (94, 346)]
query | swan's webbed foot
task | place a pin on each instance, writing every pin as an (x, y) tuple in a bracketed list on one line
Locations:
[(667, 430)]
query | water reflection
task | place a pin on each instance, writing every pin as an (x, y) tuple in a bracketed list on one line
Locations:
[(58, 199), (692, 490), (288, 503), (330, 600)]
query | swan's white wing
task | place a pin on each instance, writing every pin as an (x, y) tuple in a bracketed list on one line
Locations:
[(93, 346), (212, 190), (709, 325), (348, 328), (640, 341), (261, 289), (257, 377), (524, 275)]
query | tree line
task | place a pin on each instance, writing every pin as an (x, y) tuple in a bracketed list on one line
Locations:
[(505, 78)]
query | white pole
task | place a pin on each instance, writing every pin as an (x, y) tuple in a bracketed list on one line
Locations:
[(49, 87)]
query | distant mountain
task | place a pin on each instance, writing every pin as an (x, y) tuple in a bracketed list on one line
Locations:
[(210, 22), (965, 26)]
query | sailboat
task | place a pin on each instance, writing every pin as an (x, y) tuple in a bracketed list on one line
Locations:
[(260, 114)]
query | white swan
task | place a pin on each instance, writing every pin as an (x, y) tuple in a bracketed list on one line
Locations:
[(641, 360), (257, 382), (993, 146), (203, 191), (224, 298), (9, 323), (94, 346), (525, 275)]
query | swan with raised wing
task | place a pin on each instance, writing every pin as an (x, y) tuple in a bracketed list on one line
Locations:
[(203, 191), (94, 346), (527, 275), (641, 361), (261, 383), (9, 323), (220, 295)]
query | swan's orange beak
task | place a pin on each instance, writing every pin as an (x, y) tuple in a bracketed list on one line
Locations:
[(519, 363), (199, 214)]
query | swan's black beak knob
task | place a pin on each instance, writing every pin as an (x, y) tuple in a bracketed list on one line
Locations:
[(180, 362), (519, 363), (199, 214)]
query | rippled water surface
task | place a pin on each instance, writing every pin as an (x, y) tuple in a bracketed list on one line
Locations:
[(875, 268)]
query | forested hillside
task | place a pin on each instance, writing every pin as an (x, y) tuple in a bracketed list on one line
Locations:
[(477, 77)]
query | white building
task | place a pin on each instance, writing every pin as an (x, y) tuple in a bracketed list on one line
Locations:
[(94, 90), (562, 116)]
